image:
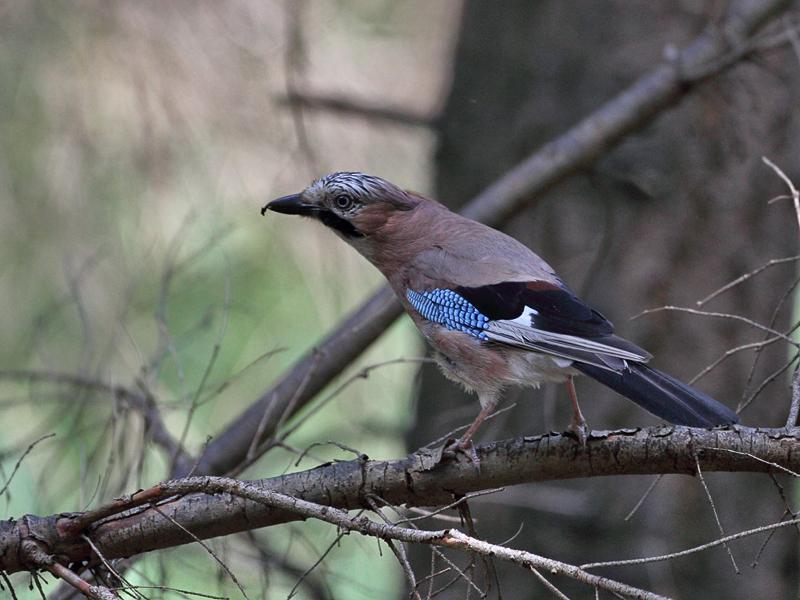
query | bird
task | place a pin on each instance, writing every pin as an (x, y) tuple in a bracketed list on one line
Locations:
[(494, 312)]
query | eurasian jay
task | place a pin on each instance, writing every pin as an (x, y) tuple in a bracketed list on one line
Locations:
[(495, 313)]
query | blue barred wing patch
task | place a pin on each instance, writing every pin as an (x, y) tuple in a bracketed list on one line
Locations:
[(449, 309)]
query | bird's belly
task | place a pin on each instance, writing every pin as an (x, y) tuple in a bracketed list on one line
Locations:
[(485, 367), (533, 368)]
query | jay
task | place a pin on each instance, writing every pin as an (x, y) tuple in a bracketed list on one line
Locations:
[(494, 312)]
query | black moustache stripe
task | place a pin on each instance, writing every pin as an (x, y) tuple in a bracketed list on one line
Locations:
[(346, 228)]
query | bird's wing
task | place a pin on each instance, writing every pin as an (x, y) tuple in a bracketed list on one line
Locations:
[(470, 254), (541, 316)]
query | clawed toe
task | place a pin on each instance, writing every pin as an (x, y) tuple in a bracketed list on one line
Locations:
[(465, 447), (581, 431), (578, 425), (468, 448)]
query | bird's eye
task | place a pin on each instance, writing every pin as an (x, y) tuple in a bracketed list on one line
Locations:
[(343, 202)]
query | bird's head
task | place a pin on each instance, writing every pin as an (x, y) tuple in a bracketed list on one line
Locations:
[(355, 206)]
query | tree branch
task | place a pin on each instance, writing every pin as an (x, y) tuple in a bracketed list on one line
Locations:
[(719, 47), (424, 478)]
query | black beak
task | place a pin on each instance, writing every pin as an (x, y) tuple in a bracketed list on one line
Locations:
[(294, 205), (291, 205)]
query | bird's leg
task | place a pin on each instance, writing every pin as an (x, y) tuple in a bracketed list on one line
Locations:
[(464, 444), (578, 425), (466, 440)]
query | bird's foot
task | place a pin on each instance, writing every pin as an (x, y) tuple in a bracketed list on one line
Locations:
[(578, 425), (462, 446), (580, 429)]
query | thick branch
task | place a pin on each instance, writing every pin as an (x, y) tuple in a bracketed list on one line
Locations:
[(711, 53), (417, 480)]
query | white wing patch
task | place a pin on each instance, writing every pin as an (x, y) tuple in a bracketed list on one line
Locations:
[(525, 319), (562, 362)]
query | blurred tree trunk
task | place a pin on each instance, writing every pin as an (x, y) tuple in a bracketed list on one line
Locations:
[(666, 218)]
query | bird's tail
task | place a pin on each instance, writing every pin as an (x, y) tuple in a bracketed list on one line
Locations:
[(663, 395)]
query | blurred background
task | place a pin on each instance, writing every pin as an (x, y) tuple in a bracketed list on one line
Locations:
[(138, 141)]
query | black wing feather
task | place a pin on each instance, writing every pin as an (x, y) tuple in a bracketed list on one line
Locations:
[(559, 310), (663, 395)]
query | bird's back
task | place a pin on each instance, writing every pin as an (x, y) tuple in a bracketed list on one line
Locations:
[(437, 247)]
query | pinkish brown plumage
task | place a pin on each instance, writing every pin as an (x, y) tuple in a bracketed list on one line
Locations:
[(495, 313)]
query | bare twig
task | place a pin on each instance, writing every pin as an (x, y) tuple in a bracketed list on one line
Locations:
[(270, 560), (425, 514), (694, 550), (460, 573), (455, 504), (746, 276), (304, 575), (556, 592), (719, 315), (257, 449), (94, 592), (339, 445), (772, 464), (456, 539), (21, 458), (795, 195), (363, 373), (359, 108), (34, 553), (785, 298), (207, 371), (430, 577), (205, 547), (399, 551), (438, 441), (714, 511), (794, 409), (765, 382), (788, 512), (256, 362), (644, 497), (110, 568), (756, 346)]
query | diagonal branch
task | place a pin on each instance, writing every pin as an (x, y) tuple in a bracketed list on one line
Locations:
[(715, 50)]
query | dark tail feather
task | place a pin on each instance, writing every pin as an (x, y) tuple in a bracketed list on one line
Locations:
[(663, 395)]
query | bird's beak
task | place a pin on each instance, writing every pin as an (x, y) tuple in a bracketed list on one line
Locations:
[(291, 205)]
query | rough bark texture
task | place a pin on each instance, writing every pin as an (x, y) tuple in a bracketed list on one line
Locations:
[(676, 211), (418, 480)]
